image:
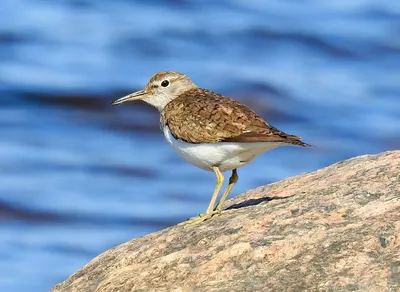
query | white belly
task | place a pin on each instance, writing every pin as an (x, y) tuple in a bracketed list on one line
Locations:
[(225, 155)]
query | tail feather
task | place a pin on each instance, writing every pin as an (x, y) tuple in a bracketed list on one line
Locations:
[(299, 143)]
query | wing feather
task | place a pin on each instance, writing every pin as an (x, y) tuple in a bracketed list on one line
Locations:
[(202, 116)]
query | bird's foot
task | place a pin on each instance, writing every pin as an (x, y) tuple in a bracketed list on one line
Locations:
[(201, 218)]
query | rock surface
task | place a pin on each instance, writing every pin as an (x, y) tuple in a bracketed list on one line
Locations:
[(335, 229)]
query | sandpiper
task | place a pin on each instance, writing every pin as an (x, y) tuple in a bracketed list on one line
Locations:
[(211, 131)]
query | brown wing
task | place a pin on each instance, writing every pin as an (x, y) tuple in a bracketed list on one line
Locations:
[(202, 116)]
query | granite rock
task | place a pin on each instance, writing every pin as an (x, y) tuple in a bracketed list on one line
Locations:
[(334, 229)]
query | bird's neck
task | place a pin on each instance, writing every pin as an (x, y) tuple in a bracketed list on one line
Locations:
[(160, 100)]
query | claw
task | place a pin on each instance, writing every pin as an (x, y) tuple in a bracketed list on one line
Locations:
[(199, 219)]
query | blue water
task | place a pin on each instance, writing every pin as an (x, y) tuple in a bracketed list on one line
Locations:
[(78, 176)]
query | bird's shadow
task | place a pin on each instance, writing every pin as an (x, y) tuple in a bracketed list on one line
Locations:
[(254, 202)]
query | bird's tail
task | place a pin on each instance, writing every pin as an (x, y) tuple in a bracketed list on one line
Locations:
[(300, 143)]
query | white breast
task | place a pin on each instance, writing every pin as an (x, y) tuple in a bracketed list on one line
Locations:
[(225, 155)]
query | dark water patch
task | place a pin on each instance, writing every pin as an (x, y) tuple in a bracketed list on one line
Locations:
[(154, 223), (92, 102), (376, 50), (282, 117), (132, 171), (392, 143), (133, 126), (119, 170), (175, 4), (375, 13), (69, 250), (250, 88), (10, 212), (122, 170), (109, 221), (81, 4), (136, 117), (311, 41), (8, 37), (97, 109)]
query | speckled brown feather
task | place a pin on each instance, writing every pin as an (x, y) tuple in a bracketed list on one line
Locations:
[(202, 116)]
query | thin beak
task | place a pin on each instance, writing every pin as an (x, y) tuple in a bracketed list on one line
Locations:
[(131, 97)]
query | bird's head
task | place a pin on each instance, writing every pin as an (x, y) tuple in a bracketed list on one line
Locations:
[(161, 89)]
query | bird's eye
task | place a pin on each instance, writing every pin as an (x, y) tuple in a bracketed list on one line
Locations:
[(165, 83)]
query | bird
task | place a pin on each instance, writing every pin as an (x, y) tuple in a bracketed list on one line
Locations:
[(211, 131)]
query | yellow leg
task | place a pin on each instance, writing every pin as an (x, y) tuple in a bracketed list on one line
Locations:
[(210, 210), (220, 182), (232, 181)]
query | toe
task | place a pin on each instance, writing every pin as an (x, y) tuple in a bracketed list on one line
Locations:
[(196, 220)]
